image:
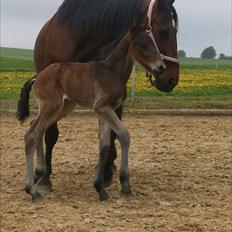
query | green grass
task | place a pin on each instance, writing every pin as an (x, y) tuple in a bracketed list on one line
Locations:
[(17, 66), (16, 59), (205, 63), (198, 63), (16, 52), (22, 59)]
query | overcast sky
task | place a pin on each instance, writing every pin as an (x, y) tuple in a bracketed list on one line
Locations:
[(202, 23)]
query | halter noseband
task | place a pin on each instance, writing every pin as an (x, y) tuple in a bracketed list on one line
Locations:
[(150, 34)]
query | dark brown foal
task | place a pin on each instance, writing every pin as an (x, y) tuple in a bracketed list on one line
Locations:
[(99, 85)]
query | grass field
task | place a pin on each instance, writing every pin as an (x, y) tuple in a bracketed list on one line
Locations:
[(16, 59), (203, 83)]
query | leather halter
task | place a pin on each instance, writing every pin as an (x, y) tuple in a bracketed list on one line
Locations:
[(150, 34)]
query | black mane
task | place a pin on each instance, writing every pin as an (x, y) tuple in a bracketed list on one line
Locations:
[(167, 10), (113, 17)]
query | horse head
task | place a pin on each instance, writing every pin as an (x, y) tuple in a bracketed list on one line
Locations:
[(161, 22)]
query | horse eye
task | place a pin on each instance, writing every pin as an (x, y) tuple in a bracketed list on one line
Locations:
[(164, 32)]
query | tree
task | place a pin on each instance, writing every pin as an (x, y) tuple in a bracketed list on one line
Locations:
[(209, 53), (182, 54), (222, 56)]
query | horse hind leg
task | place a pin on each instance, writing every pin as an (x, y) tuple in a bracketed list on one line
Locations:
[(104, 145)]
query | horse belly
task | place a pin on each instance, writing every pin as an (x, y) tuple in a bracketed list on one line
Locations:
[(79, 88)]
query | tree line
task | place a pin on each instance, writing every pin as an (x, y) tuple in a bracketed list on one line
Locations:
[(207, 53)]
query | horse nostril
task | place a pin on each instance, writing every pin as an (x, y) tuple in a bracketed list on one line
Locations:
[(161, 69)]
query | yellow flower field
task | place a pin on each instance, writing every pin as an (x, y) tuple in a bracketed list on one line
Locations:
[(215, 81), (191, 78)]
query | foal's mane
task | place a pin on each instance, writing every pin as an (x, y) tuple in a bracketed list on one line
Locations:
[(113, 17)]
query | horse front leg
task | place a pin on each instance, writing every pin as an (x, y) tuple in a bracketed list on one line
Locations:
[(108, 114)]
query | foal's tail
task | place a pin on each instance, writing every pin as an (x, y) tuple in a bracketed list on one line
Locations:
[(23, 110)]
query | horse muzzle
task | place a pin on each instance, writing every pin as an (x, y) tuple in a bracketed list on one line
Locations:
[(162, 82)]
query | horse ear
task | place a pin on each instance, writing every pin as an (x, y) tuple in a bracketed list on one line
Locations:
[(160, 2)]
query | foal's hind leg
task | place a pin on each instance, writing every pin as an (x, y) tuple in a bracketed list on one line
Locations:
[(40, 168), (104, 143), (51, 137), (32, 138)]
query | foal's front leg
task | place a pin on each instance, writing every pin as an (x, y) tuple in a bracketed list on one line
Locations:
[(104, 146), (110, 167), (108, 114)]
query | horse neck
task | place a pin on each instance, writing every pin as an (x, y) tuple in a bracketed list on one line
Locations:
[(120, 57)]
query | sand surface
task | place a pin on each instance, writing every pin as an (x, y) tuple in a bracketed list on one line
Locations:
[(180, 172)]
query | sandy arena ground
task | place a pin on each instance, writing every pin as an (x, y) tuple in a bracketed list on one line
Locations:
[(180, 170)]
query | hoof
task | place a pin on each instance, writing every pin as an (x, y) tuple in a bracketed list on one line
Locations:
[(37, 197), (43, 188), (104, 196), (126, 190), (44, 185)]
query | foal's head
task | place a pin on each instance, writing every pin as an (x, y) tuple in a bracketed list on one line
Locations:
[(145, 52)]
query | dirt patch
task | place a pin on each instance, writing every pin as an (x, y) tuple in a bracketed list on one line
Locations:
[(180, 169)]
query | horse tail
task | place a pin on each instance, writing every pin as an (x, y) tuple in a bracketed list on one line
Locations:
[(23, 110)]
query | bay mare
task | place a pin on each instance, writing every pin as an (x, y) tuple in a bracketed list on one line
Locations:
[(99, 85), (85, 30)]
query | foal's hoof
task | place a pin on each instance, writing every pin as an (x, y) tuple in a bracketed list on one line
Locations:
[(37, 197), (44, 186), (103, 195)]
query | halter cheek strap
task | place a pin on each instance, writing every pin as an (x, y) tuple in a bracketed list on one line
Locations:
[(150, 34)]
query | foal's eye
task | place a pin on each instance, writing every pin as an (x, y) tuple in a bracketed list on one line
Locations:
[(141, 45)]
